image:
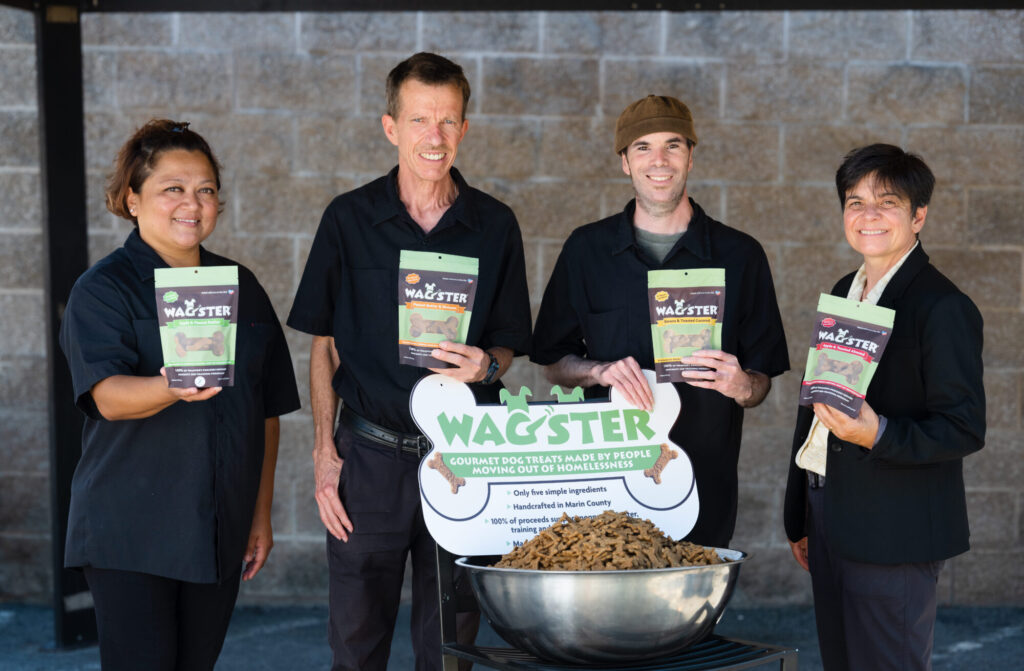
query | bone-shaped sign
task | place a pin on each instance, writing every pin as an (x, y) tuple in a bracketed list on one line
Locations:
[(498, 474)]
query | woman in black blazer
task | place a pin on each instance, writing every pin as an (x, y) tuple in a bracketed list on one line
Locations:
[(875, 529)]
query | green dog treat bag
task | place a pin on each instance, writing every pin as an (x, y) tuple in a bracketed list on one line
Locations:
[(435, 303), (846, 345), (687, 307), (197, 312)]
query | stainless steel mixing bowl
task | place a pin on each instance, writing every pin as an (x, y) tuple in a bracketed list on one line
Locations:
[(604, 616)]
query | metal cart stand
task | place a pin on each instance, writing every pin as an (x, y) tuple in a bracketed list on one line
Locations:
[(714, 652)]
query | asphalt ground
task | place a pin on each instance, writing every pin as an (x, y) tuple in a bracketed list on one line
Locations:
[(293, 637)]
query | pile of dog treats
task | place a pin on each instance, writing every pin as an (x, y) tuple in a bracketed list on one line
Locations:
[(610, 541)]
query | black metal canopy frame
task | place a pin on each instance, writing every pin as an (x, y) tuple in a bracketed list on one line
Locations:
[(62, 172)]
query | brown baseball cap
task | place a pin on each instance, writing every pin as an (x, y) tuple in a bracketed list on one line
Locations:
[(653, 114)]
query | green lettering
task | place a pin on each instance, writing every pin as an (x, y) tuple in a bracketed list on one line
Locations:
[(610, 425), (584, 418), (487, 432), (636, 422), (455, 428), (559, 434), (528, 438)]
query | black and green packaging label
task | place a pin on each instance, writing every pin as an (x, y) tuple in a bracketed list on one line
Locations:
[(687, 307), (197, 311), (435, 303), (848, 341)]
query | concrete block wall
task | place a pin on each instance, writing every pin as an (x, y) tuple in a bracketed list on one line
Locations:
[(291, 103)]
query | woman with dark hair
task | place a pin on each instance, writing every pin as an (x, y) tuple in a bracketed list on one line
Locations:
[(876, 526), (170, 503)]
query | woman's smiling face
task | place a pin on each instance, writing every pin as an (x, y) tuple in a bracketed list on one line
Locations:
[(879, 223), (176, 207)]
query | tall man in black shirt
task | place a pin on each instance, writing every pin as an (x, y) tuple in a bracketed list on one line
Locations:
[(366, 486), (594, 329)]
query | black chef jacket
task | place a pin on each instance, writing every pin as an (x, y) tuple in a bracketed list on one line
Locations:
[(349, 289), (595, 306), (172, 494)]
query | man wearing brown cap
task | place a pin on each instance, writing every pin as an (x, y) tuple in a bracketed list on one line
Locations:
[(594, 327)]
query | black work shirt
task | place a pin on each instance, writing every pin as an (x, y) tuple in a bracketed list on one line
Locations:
[(595, 306), (349, 289), (172, 494)]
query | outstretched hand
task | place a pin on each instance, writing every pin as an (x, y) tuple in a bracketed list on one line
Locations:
[(190, 394)]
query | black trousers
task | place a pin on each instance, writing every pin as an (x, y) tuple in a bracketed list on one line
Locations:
[(870, 617), (159, 624), (380, 492)]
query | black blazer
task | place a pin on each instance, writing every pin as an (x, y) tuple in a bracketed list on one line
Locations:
[(903, 501)]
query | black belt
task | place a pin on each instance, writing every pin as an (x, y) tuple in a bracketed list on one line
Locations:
[(814, 480), (410, 443)]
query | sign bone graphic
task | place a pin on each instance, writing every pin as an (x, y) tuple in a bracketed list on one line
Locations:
[(499, 473)]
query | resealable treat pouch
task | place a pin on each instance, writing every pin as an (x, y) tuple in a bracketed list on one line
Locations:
[(197, 312), (687, 308), (848, 341), (435, 303)]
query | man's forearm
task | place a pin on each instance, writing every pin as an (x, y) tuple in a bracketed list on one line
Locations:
[(760, 385), (324, 402), (572, 371)]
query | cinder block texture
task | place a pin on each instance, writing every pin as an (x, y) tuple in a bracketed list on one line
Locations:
[(906, 93), (276, 80), (22, 193), (19, 139), (291, 104), (564, 86), (132, 30), (21, 254), (22, 509), (26, 447), (848, 35), (454, 32), (732, 35), (699, 85), (978, 37), (16, 27), (603, 33), (18, 68), (993, 216), (358, 31), (786, 91), (997, 95), (242, 32)]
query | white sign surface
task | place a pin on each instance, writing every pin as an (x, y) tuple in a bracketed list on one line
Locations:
[(498, 474)]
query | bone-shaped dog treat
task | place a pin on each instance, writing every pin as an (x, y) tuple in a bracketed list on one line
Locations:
[(666, 456), (851, 370), (449, 328), (437, 463), (214, 343), (671, 340)]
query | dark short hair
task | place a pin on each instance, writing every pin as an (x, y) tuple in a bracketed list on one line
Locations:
[(903, 173), (426, 68), (139, 155)]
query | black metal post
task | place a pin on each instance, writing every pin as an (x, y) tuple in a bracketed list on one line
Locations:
[(66, 256)]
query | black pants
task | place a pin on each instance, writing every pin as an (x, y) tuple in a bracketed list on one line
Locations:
[(159, 624), (380, 492), (870, 617)]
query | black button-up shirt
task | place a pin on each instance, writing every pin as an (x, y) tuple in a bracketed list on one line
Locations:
[(349, 289), (595, 306), (172, 494)]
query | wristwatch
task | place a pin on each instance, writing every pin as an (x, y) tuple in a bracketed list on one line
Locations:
[(492, 370)]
